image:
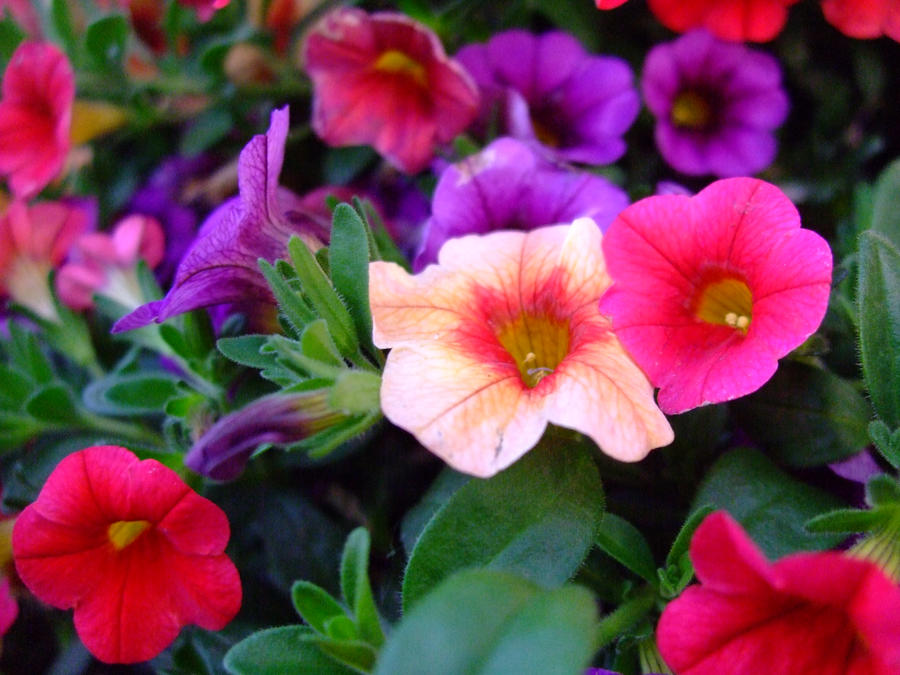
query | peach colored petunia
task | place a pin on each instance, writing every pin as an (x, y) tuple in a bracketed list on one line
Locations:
[(502, 336)]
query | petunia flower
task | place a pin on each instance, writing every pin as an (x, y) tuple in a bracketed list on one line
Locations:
[(732, 20), (131, 548), (35, 117), (223, 450), (384, 80), (105, 263), (609, 4), (33, 241), (864, 18), (823, 613), (551, 92), (221, 265), (501, 337), (507, 186), (710, 291), (716, 104)]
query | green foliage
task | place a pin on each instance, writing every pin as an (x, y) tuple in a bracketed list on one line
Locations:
[(886, 441), (105, 42), (769, 503), (624, 542), (276, 651), (487, 621), (537, 518)]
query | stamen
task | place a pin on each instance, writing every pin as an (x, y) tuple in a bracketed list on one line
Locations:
[(725, 302), (122, 533), (395, 61), (537, 344)]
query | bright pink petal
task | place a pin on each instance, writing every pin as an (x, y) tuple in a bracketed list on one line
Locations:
[(9, 607), (864, 18), (735, 20), (609, 4), (35, 116)]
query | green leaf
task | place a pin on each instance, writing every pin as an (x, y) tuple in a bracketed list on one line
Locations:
[(246, 350), (885, 214), (683, 539), (322, 296), (806, 416), (770, 504), (447, 482), (356, 654), (16, 388), (356, 392), (348, 257), (25, 353), (356, 589), (886, 441), (290, 302), (324, 442), (63, 28), (105, 41), (882, 490), (879, 323), (210, 127), (315, 605), (16, 429), (11, 36), (341, 628), (537, 518), (845, 521), (277, 651), (53, 403), (624, 542), (482, 622), (130, 394), (316, 343)]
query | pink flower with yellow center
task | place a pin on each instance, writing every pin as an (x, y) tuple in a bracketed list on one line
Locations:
[(384, 80), (503, 336), (711, 290)]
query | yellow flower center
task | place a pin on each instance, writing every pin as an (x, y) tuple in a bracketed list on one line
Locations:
[(396, 62), (123, 532), (725, 302), (691, 110), (537, 345), (545, 134)]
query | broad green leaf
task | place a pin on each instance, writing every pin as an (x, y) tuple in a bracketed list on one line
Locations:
[(624, 542), (315, 605), (25, 354), (806, 416), (341, 628), (883, 490), (105, 41), (886, 441), (356, 588), (769, 503), (485, 622), (245, 350), (63, 28), (537, 518), (879, 323), (11, 36), (348, 257), (447, 482), (316, 343), (885, 214), (15, 389), (845, 521), (53, 403), (278, 651), (356, 654), (16, 429), (130, 394)]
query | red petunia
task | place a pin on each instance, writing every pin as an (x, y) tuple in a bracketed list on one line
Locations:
[(734, 20), (864, 18), (384, 80), (711, 290), (35, 117), (131, 548), (807, 614)]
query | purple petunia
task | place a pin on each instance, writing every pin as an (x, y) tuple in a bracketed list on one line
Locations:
[(508, 186), (548, 90), (221, 265), (716, 104)]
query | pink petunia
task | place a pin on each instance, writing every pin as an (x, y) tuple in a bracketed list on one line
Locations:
[(384, 80), (131, 548), (864, 18), (710, 291), (733, 20), (35, 117), (501, 337), (807, 614)]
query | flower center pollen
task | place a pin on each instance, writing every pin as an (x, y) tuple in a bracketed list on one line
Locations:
[(123, 532), (726, 302), (537, 344), (691, 110), (396, 62)]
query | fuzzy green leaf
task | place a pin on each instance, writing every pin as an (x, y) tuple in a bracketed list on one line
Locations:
[(356, 589)]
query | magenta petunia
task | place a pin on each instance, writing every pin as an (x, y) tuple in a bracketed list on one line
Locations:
[(717, 105), (35, 117), (384, 80), (135, 551), (548, 90), (809, 613), (508, 186), (710, 291)]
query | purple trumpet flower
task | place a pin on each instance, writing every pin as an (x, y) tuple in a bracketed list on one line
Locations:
[(221, 265), (278, 419), (551, 92), (508, 186)]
